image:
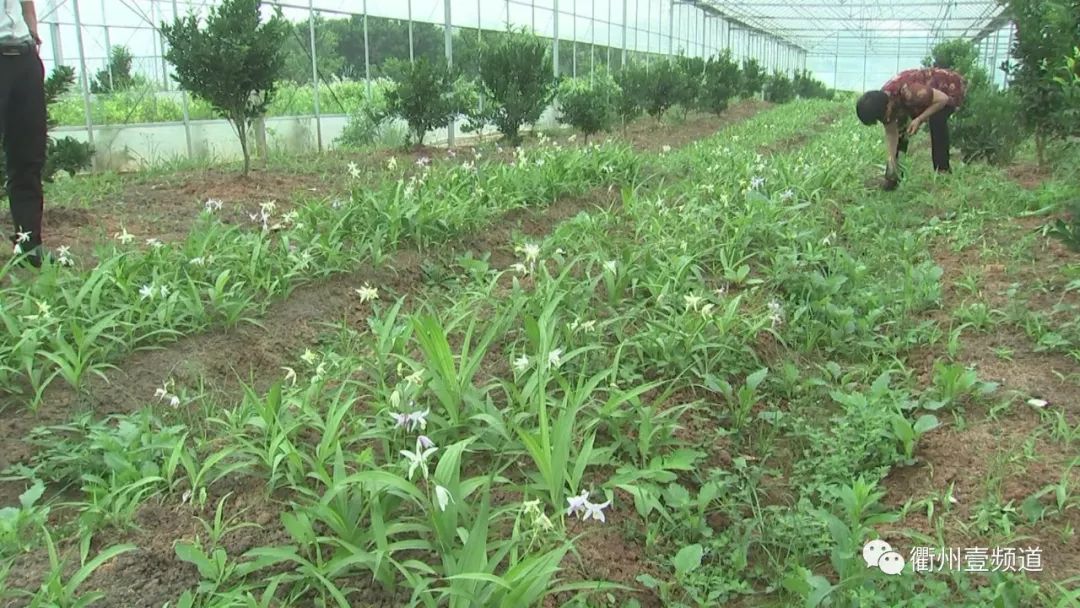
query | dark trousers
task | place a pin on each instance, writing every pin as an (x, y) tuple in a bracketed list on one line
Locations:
[(24, 132), (939, 139)]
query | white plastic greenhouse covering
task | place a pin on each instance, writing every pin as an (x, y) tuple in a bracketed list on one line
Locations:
[(848, 44)]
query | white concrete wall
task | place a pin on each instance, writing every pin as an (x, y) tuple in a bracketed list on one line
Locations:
[(136, 146)]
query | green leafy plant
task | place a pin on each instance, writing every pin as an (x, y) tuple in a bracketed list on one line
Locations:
[(779, 88), (723, 81), (754, 77), (117, 75), (516, 83), (241, 88), (425, 96), (589, 104)]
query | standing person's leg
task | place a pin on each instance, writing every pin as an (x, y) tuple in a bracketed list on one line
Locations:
[(25, 141), (939, 140)]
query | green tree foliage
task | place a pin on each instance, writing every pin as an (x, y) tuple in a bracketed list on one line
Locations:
[(633, 82), (64, 154), (590, 105), (808, 87), (297, 50), (690, 79), (516, 83), (779, 88), (424, 96), (1046, 31), (117, 76), (959, 55), (663, 86), (233, 64), (723, 81), (753, 80)]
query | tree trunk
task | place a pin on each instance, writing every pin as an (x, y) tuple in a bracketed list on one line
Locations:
[(242, 131), (1040, 148), (260, 141)]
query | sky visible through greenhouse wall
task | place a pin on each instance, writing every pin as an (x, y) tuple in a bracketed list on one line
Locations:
[(847, 50)]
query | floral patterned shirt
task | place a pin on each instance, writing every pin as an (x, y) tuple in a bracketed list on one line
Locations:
[(913, 90)]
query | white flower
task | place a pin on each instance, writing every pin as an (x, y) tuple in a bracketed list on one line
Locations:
[(586, 326), (400, 420), (519, 267), (423, 161), (308, 356), (146, 291), (418, 419), (354, 170), (164, 292), (367, 292), (199, 261), (415, 377), (595, 511), (64, 255), (418, 459), (666, 149), (787, 194), (757, 182), (1037, 402), (442, 496), (610, 266), (425, 442), (531, 251), (213, 205), (290, 375), (392, 163), (720, 291), (577, 503), (22, 237), (692, 301), (707, 309), (572, 138), (521, 363), (156, 244), (555, 357)]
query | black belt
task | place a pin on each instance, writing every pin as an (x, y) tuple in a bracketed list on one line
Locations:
[(14, 50)]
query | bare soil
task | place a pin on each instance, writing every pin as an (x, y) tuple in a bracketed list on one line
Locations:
[(1006, 458)]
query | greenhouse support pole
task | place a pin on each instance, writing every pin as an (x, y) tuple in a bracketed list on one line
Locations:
[(592, 43), (480, 49), (555, 38), (899, 37), (315, 75), (84, 81), (704, 26), (671, 27), (609, 14), (448, 35), (532, 4), (1008, 61), (412, 53), (367, 55), (836, 64), (994, 67), (54, 33), (573, 9), (108, 47), (625, 17), (866, 49), (184, 100)]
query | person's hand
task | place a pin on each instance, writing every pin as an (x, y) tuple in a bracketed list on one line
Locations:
[(913, 128)]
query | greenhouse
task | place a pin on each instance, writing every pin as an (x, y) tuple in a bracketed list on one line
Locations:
[(462, 303)]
